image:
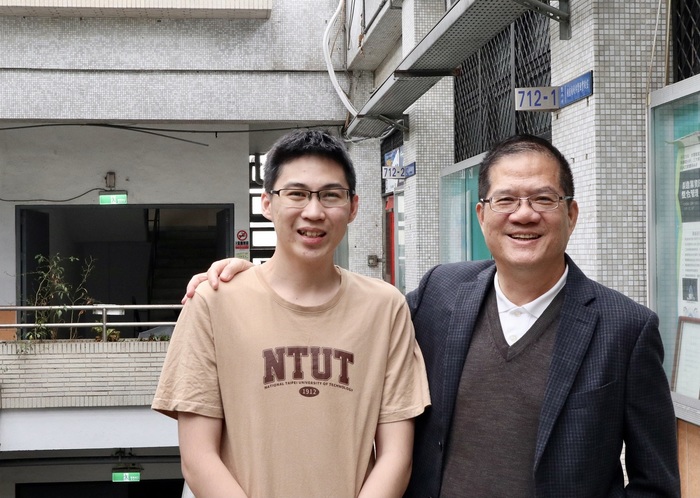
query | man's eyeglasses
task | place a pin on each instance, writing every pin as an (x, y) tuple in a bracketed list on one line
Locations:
[(538, 202), (299, 197)]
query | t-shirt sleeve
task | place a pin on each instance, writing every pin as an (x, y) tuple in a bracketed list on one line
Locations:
[(189, 381), (405, 392)]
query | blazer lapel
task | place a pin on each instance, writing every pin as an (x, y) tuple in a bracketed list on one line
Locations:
[(576, 327), (466, 307)]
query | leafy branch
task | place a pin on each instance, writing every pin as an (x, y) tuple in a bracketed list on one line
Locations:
[(53, 289)]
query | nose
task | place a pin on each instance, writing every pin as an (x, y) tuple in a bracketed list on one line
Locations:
[(314, 209), (529, 210)]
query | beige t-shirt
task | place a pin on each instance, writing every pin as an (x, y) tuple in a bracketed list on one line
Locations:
[(301, 389)]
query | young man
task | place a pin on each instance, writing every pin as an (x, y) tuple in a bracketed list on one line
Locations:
[(538, 374), (285, 379)]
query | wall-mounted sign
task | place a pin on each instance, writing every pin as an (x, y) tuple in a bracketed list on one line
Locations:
[(543, 98), (551, 98), (110, 197), (393, 164), (576, 89), (410, 169), (126, 476)]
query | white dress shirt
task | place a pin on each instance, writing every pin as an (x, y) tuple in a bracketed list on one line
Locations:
[(516, 320)]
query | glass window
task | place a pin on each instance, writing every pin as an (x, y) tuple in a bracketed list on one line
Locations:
[(674, 233), (400, 256), (264, 238), (255, 204), (460, 234), (453, 218)]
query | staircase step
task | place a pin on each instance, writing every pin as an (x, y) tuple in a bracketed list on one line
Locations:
[(184, 263), (190, 233), (167, 295), (180, 253)]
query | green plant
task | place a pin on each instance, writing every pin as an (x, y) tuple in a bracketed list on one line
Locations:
[(156, 337), (112, 335), (52, 288)]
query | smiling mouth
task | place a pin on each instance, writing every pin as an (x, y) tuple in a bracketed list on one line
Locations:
[(524, 236), (311, 233)]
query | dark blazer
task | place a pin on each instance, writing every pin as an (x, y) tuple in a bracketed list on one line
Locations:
[(606, 385)]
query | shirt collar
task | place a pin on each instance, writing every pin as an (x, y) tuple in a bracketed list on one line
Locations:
[(536, 307)]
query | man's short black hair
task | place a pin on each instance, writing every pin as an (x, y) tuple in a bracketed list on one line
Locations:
[(518, 144), (302, 143)]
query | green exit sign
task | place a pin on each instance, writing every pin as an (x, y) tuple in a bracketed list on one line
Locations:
[(126, 476), (112, 197)]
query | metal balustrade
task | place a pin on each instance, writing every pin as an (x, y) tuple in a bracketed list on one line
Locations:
[(104, 311)]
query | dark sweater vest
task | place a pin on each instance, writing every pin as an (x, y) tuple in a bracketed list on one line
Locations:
[(491, 449)]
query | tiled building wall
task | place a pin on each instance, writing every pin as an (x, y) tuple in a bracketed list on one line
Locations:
[(138, 8), (80, 374), (431, 139), (604, 136), (429, 143), (185, 96), (573, 129), (171, 69), (173, 44), (365, 233)]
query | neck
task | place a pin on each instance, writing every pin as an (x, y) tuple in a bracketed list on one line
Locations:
[(307, 285), (524, 287)]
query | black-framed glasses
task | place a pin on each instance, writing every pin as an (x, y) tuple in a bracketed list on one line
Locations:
[(300, 197), (538, 202)]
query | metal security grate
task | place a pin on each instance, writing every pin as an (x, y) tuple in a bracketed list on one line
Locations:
[(519, 56), (532, 68), (393, 141), (686, 38)]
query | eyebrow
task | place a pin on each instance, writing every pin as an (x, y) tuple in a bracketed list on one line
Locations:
[(306, 187), (534, 192)]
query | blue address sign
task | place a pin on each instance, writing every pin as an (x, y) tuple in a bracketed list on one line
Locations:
[(551, 98), (576, 89)]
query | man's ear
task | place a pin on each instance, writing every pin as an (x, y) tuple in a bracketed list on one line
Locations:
[(354, 204), (266, 205), (480, 213)]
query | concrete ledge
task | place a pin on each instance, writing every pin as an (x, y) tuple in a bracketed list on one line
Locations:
[(83, 373), (162, 9), (83, 428)]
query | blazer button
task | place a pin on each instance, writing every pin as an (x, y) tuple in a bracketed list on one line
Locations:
[(440, 445)]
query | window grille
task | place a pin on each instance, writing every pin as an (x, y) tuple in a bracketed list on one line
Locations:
[(686, 38), (393, 141), (517, 57)]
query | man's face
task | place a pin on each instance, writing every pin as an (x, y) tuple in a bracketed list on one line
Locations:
[(310, 233), (527, 242)]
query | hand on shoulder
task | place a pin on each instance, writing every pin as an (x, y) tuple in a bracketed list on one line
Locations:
[(222, 270)]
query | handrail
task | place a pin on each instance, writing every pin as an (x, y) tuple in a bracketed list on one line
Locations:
[(102, 309)]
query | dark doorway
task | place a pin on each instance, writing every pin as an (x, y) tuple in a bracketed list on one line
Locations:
[(165, 488), (144, 254), (33, 240)]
